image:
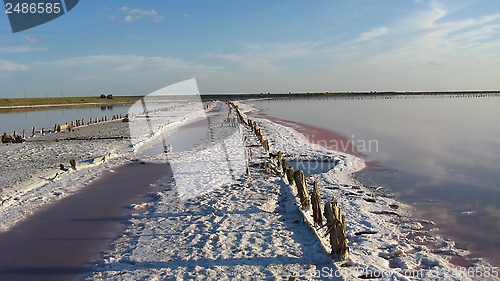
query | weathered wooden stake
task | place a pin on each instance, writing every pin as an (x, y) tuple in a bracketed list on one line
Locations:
[(316, 205), (303, 192), (72, 162), (289, 175), (265, 144), (284, 165), (336, 228)]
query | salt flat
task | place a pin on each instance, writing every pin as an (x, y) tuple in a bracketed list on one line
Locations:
[(247, 226)]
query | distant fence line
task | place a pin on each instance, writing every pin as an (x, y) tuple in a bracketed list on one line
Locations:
[(18, 137), (21, 136)]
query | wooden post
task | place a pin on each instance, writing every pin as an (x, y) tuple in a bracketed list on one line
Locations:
[(33, 132), (336, 228), (265, 144), (72, 162), (289, 175), (55, 128), (284, 165), (24, 134), (316, 205), (303, 192)]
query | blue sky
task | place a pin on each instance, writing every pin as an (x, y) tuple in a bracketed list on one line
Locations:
[(135, 47)]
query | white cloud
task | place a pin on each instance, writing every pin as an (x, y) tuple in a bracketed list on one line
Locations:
[(371, 34), (29, 44), (6, 65), (31, 40), (139, 14)]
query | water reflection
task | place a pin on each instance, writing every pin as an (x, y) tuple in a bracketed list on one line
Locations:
[(445, 152)]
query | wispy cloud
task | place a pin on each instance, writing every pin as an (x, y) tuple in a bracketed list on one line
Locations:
[(431, 36), (126, 73), (29, 44), (6, 65), (133, 14), (267, 57), (371, 34)]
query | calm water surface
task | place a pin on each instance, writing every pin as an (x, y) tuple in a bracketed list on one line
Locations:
[(440, 154), (47, 117)]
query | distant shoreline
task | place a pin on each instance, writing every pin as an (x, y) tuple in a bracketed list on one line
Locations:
[(21, 103), (27, 103)]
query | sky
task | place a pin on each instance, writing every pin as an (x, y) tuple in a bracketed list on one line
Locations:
[(134, 47)]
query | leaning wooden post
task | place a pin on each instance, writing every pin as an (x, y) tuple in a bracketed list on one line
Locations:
[(265, 144), (316, 205), (336, 228), (303, 192), (33, 132)]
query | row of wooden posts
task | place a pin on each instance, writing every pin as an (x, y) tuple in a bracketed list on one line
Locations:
[(18, 138), (82, 122), (335, 220)]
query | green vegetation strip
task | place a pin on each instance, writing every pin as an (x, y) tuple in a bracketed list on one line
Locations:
[(68, 100)]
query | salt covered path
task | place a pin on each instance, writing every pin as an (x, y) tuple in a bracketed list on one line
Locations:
[(58, 242), (247, 230)]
